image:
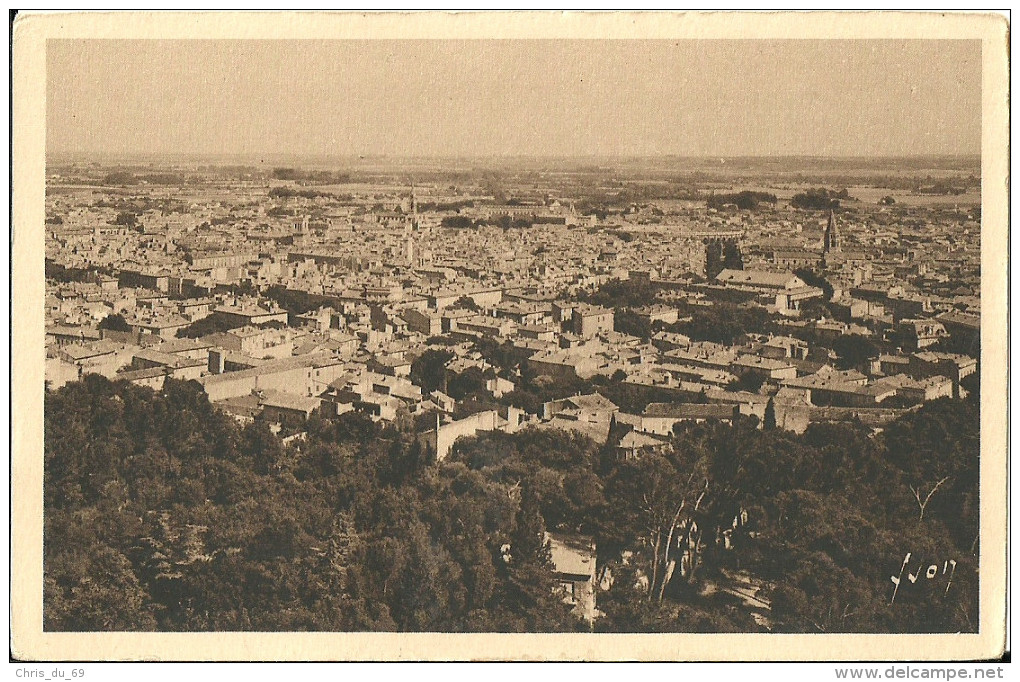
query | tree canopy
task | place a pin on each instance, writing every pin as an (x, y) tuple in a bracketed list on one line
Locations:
[(163, 513), (818, 199), (745, 200), (114, 322)]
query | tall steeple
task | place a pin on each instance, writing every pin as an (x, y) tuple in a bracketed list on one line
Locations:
[(414, 209), (831, 241), (410, 227)]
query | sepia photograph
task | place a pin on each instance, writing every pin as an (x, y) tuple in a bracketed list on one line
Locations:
[(429, 332)]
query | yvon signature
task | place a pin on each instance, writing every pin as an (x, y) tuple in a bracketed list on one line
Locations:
[(932, 572)]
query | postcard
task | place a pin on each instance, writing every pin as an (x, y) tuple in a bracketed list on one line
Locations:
[(509, 336)]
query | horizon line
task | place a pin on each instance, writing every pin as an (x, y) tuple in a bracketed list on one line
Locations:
[(496, 156)]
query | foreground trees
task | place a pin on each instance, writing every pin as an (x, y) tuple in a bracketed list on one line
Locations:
[(161, 513)]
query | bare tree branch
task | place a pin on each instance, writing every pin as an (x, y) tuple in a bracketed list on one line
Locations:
[(927, 498), (669, 541)]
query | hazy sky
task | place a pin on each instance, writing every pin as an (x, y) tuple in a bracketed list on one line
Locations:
[(530, 97)]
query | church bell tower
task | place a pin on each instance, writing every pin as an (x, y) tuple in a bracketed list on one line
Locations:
[(831, 241)]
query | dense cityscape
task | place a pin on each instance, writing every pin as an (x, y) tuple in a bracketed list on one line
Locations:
[(611, 395)]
